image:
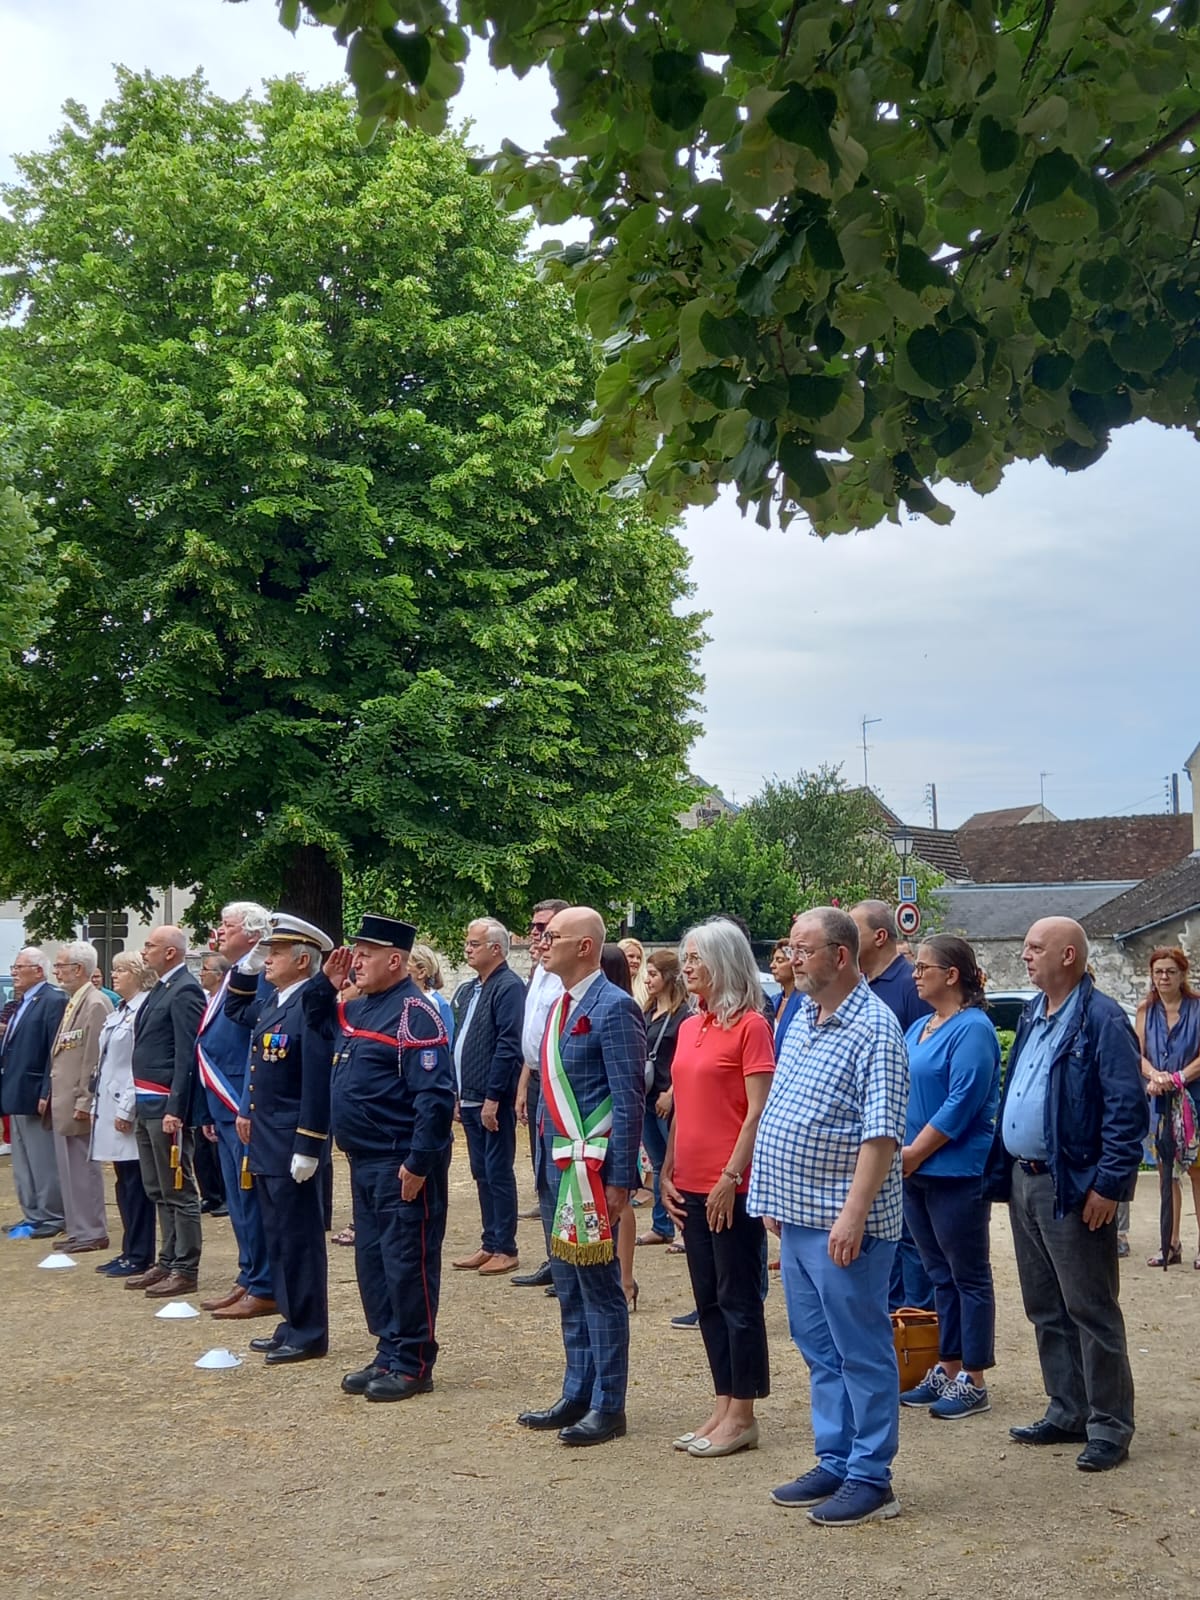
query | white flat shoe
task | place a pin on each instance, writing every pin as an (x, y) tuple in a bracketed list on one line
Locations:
[(746, 1440), (683, 1441)]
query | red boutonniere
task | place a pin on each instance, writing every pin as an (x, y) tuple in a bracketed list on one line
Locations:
[(582, 1025)]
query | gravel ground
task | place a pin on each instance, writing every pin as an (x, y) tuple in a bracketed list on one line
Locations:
[(125, 1472)]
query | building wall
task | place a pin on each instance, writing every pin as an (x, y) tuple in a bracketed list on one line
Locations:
[(1121, 970)]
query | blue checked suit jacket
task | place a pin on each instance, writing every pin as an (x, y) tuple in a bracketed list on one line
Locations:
[(609, 1059)]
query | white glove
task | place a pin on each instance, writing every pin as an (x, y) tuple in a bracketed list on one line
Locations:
[(254, 960), (303, 1167)]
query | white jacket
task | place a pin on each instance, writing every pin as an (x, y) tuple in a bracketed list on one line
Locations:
[(114, 1086)]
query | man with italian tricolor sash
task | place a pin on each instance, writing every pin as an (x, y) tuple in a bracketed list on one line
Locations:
[(593, 1065)]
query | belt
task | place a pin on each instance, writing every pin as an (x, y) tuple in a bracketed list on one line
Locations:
[(1033, 1169)]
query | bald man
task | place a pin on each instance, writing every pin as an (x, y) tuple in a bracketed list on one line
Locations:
[(1068, 1144), (593, 1063), (164, 1056)]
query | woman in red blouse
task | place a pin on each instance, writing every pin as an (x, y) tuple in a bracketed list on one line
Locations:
[(720, 1075)]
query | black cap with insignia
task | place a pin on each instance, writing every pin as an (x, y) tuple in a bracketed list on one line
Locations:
[(387, 931)]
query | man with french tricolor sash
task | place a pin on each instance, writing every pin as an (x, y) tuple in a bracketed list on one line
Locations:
[(593, 1064)]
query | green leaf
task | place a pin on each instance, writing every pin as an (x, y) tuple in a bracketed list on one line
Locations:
[(813, 394), (916, 271), (1100, 412), (756, 291), (1051, 369), (943, 357), (823, 247), (803, 466), (998, 146), (803, 116), (679, 91), (1104, 281), (1144, 347), (1096, 371), (729, 336), (718, 385), (413, 51), (1049, 177), (1051, 315), (766, 400)]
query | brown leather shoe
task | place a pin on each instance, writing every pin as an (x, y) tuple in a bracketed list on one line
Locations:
[(174, 1283), (472, 1263), (249, 1305), (220, 1301), (154, 1274), (77, 1249), (495, 1266)]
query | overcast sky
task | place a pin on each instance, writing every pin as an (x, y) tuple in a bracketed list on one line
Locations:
[(1051, 630)]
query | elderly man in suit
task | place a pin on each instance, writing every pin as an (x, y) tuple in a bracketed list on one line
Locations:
[(74, 1060), (164, 1049), (283, 1121), (593, 1100), (24, 1080), (222, 1054)]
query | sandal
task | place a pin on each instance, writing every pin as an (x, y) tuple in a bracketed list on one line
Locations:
[(675, 1248), (1174, 1257), (345, 1237), (652, 1238)]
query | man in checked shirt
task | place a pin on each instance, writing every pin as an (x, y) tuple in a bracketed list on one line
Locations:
[(826, 1176)]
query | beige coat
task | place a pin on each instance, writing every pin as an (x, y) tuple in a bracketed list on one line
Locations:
[(74, 1059)]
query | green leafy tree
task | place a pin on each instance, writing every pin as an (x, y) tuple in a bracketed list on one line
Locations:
[(724, 867), (832, 841), (842, 252), (288, 402)]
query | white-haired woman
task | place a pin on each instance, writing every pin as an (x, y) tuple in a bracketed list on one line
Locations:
[(113, 1137), (426, 970), (720, 1076)]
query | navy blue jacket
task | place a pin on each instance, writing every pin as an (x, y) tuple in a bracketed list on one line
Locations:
[(164, 1047), (25, 1054), (603, 1053), (491, 1052), (1096, 1111), (225, 1040), (392, 1089), (286, 1093)]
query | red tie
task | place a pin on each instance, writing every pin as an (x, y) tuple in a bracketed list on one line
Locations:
[(562, 1020)]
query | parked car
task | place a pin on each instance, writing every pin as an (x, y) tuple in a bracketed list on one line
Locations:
[(1004, 1006), (770, 987), (7, 988)]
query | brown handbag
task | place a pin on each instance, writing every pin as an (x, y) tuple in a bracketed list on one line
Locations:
[(915, 1336)]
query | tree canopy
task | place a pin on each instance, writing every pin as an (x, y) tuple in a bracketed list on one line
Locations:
[(843, 250), (723, 867), (287, 403)]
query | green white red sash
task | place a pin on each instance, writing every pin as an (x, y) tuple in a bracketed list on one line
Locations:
[(582, 1232)]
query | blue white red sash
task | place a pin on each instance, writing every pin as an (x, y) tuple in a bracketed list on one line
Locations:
[(145, 1090), (214, 1080)]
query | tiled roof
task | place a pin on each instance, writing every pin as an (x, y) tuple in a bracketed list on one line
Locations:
[(1009, 817), (1161, 898), (1007, 911), (938, 848), (1092, 850)]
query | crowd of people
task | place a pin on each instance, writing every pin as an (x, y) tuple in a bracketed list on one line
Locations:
[(859, 1115)]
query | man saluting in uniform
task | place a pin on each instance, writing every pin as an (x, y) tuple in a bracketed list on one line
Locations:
[(283, 1121), (392, 1104)]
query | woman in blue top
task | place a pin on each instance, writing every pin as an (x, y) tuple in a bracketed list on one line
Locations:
[(954, 1067), (426, 972), (788, 1002)]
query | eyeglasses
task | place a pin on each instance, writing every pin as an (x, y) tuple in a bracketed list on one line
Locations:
[(807, 951), (919, 967), (549, 936), (537, 930), (476, 944)]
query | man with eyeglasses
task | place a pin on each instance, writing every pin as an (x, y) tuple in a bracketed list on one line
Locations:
[(826, 1175), (543, 990), (24, 1080), (487, 1064)]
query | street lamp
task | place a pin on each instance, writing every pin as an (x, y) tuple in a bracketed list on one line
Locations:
[(902, 844)]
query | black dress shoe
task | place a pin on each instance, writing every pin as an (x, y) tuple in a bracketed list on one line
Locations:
[(597, 1427), (533, 1280), (356, 1382), (271, 1342), (560, 1415), (1044, 1432), (396, 1386), (284, 1353), (48, 1230), (1101, 1455), (552, 1293)]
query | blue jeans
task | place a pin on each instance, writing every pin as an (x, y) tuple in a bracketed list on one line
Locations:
[(654, 1141), (910, 1285), (949, 1219), (492, 1157), (838, 1317)]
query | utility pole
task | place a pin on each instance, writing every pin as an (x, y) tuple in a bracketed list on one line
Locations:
[(1042, 776), (1174, 794), (867, 722), (931, 800)]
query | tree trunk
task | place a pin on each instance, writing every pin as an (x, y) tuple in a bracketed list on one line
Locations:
[(312, 889)]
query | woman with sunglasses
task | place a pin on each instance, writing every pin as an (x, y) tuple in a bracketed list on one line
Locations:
[(954, 1066)]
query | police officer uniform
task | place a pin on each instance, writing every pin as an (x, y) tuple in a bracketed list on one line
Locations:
[(392, 1106), (286, 1100)]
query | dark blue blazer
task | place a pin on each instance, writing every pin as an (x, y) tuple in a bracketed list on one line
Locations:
[(225, 1039), (286, 1093), (164, 1045), (609, 1058), (25, 1054)]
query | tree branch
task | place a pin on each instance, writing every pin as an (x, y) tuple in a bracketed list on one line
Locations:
[(1154, 151)]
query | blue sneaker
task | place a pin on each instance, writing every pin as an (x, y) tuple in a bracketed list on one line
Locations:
[(689, 1319), (961, 1399), (931, 1387), (23, 1231), (810, 1490), (856, 1502)]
